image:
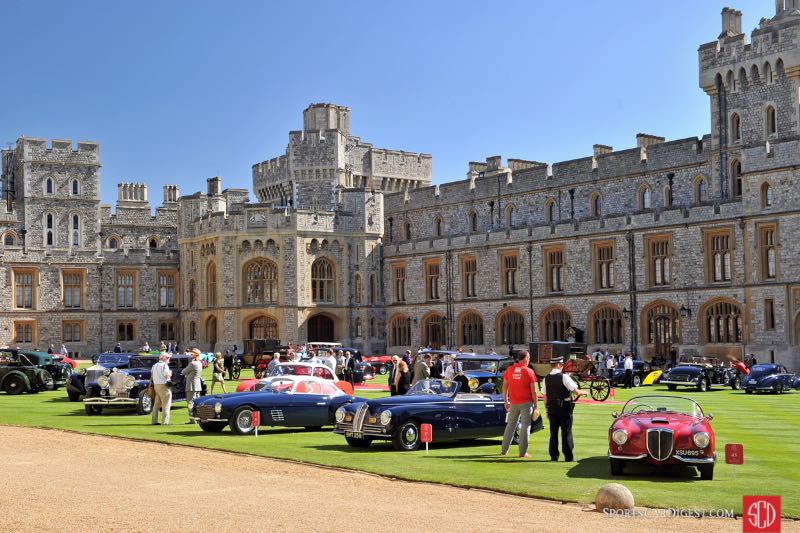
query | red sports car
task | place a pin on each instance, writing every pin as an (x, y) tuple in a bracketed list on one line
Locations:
[(66, 360), (662, 431), (380, 363)]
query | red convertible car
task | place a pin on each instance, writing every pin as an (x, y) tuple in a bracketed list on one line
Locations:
[(662, 431), (380, 363)]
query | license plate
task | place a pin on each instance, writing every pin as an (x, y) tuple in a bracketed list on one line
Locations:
[(354, 434)]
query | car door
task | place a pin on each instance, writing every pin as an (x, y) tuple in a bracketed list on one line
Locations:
[(307, 406), (178, 379), (475, 415)]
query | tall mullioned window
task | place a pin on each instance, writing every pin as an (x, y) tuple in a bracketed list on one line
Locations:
[(73, 289), (432, 280), (399, 282), (471, 329), (508, 271), (604, 265), (357, 289), (71, 331), (24, 290), (723, 323), (554, 269), (768, 251), (261, 282), (166, 289), (211, 285), (469, 277), (125, 289), (718, 253), (24, 331), (322, 281), (659, 259)]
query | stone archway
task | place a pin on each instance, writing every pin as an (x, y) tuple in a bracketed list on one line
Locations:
[(321, 329)]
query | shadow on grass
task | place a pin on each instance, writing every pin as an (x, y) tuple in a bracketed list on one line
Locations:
[(386, 445), (195, 431), (598, 468)]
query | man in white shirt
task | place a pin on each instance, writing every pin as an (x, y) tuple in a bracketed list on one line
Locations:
[(160, 374), (628, 365), (330, 361), (557, 389)]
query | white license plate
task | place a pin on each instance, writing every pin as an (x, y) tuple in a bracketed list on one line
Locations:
[(354, 434)]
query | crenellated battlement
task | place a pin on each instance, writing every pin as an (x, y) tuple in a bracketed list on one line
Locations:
[(651, 155), (58, 150)]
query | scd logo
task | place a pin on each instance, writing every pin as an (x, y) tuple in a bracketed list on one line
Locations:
[(761, 514)]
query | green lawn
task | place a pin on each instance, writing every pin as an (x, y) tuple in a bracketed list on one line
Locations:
[(767, 425)]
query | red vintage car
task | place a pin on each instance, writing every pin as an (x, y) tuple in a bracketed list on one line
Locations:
[(380, 363), (662, 431), (66, 360)]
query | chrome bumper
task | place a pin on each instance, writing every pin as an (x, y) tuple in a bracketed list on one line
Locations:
[(112, 401), (688, 460), (198, 419), (666, 382)]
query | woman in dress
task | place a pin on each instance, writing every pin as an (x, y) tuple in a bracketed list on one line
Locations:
[(402, 378), (219, 373)]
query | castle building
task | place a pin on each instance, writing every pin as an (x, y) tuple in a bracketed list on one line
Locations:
[(682, 244)]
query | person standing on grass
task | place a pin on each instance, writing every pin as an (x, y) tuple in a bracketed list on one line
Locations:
[(628, 365), (194, 381), (218, 376), (422, 370), (521, 403), (160, 375), (228, 363), (402, 377), (557, 389), (392, 370)]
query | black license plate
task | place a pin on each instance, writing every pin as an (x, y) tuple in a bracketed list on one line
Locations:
[(354, 434)]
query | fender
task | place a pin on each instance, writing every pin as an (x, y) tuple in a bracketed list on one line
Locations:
[(652, 377), (20, 374)]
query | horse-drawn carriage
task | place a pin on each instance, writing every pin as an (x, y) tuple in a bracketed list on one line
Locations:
[(583, 371)]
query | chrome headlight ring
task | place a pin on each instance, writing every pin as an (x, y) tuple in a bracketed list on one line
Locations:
[(340, 412), (619, 436), (386, 417), (701, 439)]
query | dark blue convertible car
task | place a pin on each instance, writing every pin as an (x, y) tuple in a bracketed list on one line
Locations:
[(288, 401), (770, 378), (104, 363), (452, 414)]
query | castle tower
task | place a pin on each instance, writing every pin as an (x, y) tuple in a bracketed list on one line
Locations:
[(326, 117), (753, 91)]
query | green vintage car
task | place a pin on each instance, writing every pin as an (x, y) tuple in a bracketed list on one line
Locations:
[(18, 374)]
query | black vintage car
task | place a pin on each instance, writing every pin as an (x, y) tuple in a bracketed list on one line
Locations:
[(18, 374), (640, 371), (770, 378), (106, 361), (700, 373), (126, 388), (60, 372)]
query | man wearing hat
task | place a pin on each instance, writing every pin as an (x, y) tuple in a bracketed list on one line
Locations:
[(194, 381), (557, 389), (160, 374)]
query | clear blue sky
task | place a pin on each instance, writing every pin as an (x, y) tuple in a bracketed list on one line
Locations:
[(177, 92)]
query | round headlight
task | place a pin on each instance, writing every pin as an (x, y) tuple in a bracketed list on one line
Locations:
[(218, 408), (473, 384), (130, 381), (103, 382), (386, 417), (191, 405), (82, 372), (340, 414), (620, 436), (701, 439)]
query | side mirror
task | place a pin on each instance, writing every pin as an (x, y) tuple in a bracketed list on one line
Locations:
[(710, 417), (614, 414)]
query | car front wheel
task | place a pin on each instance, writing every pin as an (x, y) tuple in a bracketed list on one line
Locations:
[(144, 405), (93, 410), (45, 380), (242, 420), (406, 437), (706, 471), (672, 387), (637, 381), (617, 467), (212, 427), (382, 370), (736, 384), (702, 385)]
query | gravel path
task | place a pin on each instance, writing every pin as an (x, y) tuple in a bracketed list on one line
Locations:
[(95, 483)]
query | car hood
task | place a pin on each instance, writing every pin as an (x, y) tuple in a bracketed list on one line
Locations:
[(644, 421), (479, 374), (138, 373), (685, 370), (415, 399)]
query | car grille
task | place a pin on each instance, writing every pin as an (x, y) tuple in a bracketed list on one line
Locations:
[(678, 377), (92, 375), (205, 412), (358, 419), (659, 443)]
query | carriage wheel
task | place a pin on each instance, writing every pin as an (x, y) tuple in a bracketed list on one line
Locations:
[(577, 379), (599, 390)]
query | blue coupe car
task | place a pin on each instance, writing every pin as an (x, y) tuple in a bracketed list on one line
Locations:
[(289, 401), (770, 378), (453, 415)]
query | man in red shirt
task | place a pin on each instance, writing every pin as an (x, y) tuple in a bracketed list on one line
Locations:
[(519, 394)]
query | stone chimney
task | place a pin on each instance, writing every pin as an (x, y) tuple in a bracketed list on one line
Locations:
[(600, 149), (214, 186), (731, 22), (643, 140)]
